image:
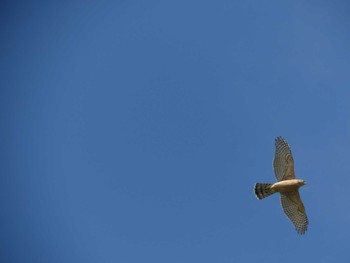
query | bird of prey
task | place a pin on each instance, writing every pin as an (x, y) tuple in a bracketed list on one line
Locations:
[(287, 185)]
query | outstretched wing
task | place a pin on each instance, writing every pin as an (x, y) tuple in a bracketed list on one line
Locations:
[(283, 163), (293, 207)]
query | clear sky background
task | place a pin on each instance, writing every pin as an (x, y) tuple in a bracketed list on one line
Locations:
[(134, 131)]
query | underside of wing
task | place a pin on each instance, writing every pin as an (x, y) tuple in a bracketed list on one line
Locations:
[(283, 163), (293, 207)]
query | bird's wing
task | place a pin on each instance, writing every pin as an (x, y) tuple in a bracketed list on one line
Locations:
[(283, 163), (293, 207)]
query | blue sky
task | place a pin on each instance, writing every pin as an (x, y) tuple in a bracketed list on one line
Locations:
[(134, 131)]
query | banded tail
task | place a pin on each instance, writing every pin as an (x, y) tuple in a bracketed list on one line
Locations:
[(263, 190)]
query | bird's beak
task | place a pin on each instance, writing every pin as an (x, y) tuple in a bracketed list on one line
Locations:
[(305, 183)]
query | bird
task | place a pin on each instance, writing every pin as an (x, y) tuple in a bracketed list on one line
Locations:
[(287, 185)]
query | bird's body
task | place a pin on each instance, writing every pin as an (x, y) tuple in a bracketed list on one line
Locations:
[(287, 185)]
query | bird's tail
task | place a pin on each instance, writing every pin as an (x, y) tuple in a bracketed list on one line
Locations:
[(263, 190)]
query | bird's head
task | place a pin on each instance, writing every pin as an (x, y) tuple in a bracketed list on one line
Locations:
[(302, 182)]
